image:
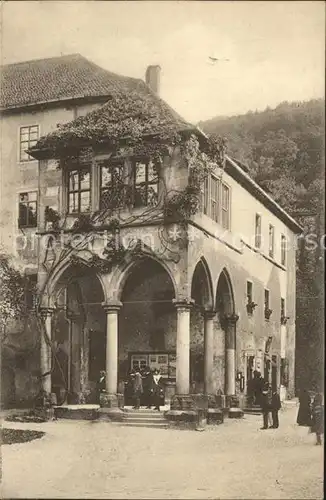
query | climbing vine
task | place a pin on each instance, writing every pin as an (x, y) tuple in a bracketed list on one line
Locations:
[(134, 125)]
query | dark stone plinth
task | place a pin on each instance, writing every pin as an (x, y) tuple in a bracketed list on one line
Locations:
[(183, 402), (235, 413), (215, 416), (45, 413), (188, 409), (77, 412), (111, 400), (189, 402), (182, 419), (189, 416), (44, 405)]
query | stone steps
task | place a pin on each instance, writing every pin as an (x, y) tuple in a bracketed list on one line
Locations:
[(143, 418), (252, 410)]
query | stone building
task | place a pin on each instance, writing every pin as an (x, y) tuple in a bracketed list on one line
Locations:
[(128, 272)]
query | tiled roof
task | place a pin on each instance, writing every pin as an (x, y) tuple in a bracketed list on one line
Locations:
[(58, 78)]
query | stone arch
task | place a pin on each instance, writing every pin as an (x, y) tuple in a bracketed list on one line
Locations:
[(69, 265), (76, 292), (121, 274), (203, 296), (224, 300), (201, 285), (147, 320)]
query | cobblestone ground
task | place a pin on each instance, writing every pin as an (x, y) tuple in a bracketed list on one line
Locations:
[(100, 460)]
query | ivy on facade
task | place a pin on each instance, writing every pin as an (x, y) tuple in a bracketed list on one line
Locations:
[(12, 292)]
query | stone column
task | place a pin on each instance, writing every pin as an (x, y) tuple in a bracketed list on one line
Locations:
[(183, 345), (111, 310), (75, 359), (282, 362), (230, 353), (45, 351), (209, 350)]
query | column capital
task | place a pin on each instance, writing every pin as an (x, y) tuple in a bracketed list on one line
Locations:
[(46, 311), (112, 306), (208, 313), (231, 319), (183, 303)]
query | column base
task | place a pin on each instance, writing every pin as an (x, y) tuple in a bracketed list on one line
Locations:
[(233, 405), (188, 410), (215, 416), (44, 403), (111, 400), (80, 398)]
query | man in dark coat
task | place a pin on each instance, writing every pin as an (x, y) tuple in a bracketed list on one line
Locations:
[(275, 407), (137, 388), (318, 417), (265, 402), (147, 386), (258, 384)]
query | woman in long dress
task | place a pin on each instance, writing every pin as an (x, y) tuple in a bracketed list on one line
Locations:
[(157, 389), (304, 413)]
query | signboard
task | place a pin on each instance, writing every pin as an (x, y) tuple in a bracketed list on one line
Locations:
[(163, 361)]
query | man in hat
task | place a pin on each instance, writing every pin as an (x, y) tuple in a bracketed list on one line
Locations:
[(265, 402)]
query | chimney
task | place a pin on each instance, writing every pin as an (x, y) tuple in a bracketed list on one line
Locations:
[(152, 78)]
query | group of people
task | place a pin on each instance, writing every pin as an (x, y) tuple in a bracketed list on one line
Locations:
[(147, 387), (311, 413), (268, 400)]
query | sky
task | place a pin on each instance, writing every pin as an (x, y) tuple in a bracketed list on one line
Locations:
[(269, 51)]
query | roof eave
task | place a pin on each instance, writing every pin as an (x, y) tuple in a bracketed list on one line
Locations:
[(55, 101), (262, 196)]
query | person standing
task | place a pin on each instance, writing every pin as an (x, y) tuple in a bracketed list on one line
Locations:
[(304, 413), (258, 384), (147, 386), (137, 388), (101, 384), (275, 406), (318, 417), (157, 388), (265, 402)]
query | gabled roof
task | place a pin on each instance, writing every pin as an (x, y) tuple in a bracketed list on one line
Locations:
[(58, 78), (126, 114)]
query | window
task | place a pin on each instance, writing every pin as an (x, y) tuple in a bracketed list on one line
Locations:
[(28, 138), (258, 231), (79, 190), (112, 186), (216, 201), (283, 250), (215, 188), (282, 309), (145, 186), (266, 304), (28, 209), (205, 195), (271, 241), (249, 292), (225, 207)]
